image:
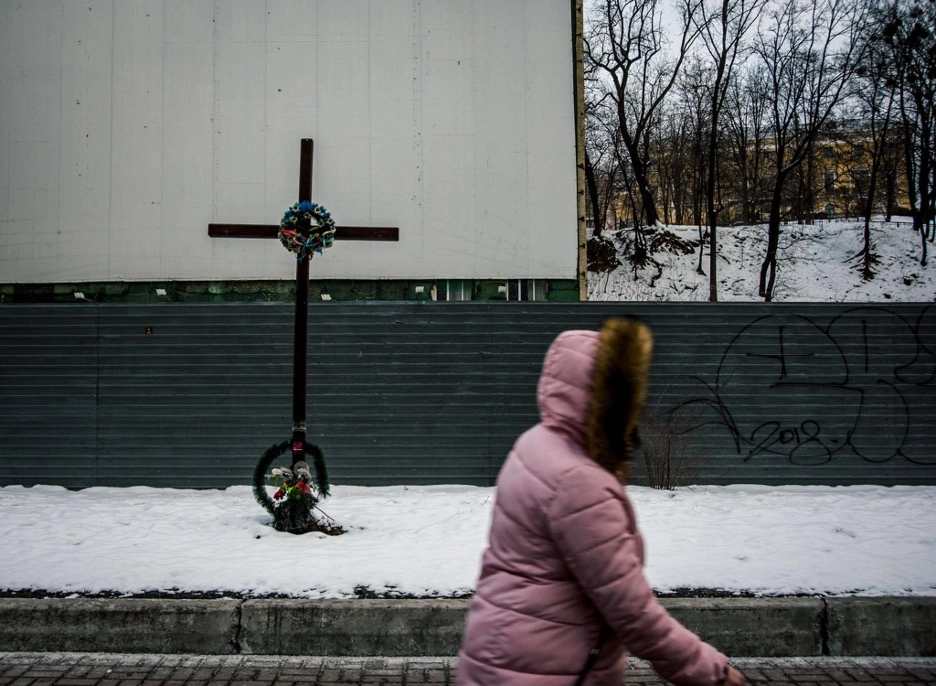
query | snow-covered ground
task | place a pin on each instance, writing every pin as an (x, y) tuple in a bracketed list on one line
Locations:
[(814, 265), (427, 541)]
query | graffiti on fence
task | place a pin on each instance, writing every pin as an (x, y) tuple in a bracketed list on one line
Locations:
[(859, 386)]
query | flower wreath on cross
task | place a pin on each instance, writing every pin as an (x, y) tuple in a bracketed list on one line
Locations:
[(306, 228)]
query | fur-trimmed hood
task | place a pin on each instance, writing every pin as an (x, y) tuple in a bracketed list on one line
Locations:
[(593, 388)]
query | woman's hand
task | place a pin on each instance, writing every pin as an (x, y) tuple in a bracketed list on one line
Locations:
[(734, 678)]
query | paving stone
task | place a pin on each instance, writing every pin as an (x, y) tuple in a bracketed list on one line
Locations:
[(82, 669)]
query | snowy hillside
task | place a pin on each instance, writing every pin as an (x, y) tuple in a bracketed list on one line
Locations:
[(813, 266)]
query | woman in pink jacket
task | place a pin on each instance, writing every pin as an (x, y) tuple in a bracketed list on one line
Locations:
[(562, 577)]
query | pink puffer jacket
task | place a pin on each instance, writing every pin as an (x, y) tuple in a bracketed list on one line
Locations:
[(565, 558)]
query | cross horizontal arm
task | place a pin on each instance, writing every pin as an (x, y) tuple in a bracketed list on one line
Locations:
[(342, 233)]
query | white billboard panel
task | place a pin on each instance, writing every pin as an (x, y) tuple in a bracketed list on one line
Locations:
[(127, 127)]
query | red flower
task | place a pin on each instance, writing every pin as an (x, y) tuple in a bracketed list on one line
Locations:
[(303, 486), (279, 494)]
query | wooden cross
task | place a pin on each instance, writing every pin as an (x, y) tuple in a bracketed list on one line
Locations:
[(300, 335)]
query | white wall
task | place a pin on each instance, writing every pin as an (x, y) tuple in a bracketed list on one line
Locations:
[(127, 126)]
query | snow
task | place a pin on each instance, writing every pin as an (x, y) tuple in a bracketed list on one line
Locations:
[(814, 265), (427, 541)]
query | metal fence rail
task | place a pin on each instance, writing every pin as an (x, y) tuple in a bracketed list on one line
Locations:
[(190, 395)]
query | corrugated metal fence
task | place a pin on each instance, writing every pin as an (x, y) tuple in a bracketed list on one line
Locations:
[(189, 395)]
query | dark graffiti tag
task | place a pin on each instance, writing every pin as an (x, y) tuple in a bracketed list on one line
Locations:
[(858, 386), (802, 444)]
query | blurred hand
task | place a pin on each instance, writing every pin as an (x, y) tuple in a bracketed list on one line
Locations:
[(734, 678)]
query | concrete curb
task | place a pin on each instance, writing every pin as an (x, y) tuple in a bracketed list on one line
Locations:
[(359, 628), (119, 625), (762, 627), (741, 627), (892, 627)]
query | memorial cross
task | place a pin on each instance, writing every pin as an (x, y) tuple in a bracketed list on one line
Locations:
[(300, 334)]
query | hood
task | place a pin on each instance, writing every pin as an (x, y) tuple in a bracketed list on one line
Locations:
[(593, 388)]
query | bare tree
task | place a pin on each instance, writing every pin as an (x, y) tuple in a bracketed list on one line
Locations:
[(808, 53), (723, 25), (626, 53), (604, 182), (909, 33), (744, 133), (892, 163), (601, 172), (745, 126), (875, 98), (678, 161), (693, 92)]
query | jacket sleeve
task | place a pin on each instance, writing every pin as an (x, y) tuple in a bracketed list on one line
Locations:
[(596, 537)]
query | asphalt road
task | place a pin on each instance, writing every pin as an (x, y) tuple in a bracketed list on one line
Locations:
[(106, 669)]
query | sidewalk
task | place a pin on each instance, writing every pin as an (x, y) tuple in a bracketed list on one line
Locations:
[(97, 669)]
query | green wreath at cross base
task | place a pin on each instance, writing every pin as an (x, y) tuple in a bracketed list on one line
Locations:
[(294, 512)]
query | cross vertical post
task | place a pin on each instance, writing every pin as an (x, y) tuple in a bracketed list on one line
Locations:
[(301, 332)]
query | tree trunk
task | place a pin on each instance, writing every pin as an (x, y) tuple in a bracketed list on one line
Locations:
[(877, 157), (710, 197), (867, 271), (768, 272), (646, 195), (592, 184), (713, 262), (890, 192), (922, 242), (639, 167), (699, 269)]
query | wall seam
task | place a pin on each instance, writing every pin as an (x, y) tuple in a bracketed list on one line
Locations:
[(824, 626)]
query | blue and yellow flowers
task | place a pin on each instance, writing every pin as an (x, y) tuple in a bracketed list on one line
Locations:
[(307, 228)]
